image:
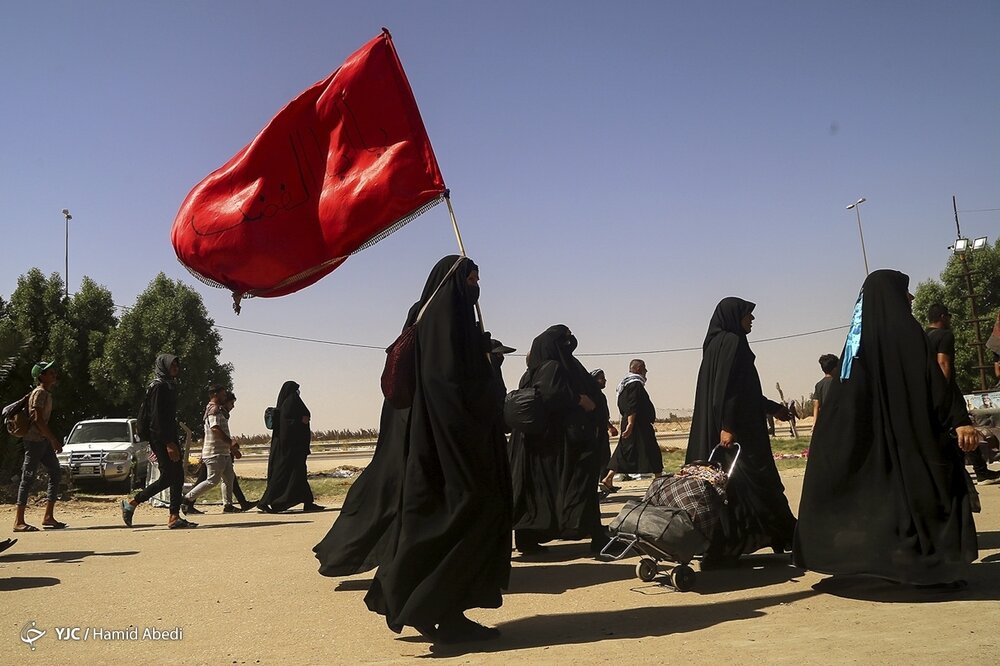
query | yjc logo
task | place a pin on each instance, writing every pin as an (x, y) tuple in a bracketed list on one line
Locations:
[(31, 633)]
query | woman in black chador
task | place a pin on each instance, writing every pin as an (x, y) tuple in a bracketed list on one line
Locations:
[(432, 511), (885, 490), (553, 472), (287, 484), (729, 406)]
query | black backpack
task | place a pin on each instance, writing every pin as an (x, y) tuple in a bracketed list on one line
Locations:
[(142, 425), (523, 410)]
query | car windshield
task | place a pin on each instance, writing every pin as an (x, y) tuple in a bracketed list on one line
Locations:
[(99, 432)]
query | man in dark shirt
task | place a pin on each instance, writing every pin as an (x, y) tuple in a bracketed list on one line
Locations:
[(942, 344), (828, 363)]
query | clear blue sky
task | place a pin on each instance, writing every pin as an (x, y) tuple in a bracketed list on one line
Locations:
[(617, 167)]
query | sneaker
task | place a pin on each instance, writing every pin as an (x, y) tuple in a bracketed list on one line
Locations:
[(181, 524), (187, 506), (987, 477), (229, 508)]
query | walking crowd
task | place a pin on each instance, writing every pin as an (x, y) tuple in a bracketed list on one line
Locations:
[(465, 472)]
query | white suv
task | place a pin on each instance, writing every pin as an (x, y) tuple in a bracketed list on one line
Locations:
[(106, 450)]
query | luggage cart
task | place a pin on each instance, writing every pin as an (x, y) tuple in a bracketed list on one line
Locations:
[(678, 541)]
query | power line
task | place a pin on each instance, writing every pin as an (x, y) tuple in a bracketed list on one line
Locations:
[(299, 339), (979, 210), (689, 349), (356, 345)]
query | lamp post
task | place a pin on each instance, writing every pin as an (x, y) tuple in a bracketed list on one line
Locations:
[(857, 209), (65, 212)]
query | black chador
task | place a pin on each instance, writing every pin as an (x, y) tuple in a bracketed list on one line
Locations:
[(554, 472), (729, 397), (432, 510), (287, 484), (885, 491)]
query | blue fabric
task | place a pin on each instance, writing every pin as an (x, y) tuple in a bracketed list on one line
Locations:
[(853, 344)]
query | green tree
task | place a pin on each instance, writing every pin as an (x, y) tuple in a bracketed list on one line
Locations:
[(952, 290), (168, 317), (69, 332)]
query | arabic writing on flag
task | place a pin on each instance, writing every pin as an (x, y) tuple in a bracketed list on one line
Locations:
[(343, 165)]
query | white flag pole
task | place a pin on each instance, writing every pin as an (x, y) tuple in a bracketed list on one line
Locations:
[(461, 249)]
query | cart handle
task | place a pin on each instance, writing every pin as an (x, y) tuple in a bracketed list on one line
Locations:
[(732, 465)]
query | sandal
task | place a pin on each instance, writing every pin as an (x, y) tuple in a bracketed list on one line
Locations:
[(25, 528), (610, 487), (128, 511), (54, 525), (7, 543), (180, 523)]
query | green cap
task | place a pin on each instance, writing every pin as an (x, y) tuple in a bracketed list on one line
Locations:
[(41, 367)]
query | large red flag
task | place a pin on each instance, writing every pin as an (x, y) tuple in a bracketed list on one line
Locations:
[(343, 165)]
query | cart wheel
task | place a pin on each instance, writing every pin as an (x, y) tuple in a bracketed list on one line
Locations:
[(646, 569), (682, 578)]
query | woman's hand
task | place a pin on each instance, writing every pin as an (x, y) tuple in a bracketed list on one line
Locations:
[(173, 452), (968, 438), (612, 430), (726, 439)]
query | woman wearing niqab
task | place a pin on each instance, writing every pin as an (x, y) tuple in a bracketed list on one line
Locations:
[(432, 511), (287, 482), (730, 407), (554, 472), (885, 490)]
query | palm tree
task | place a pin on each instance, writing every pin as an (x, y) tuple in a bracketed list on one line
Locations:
[(13, 348)]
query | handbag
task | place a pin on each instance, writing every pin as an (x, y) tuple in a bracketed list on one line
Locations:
[(523, 410), (399, 376)]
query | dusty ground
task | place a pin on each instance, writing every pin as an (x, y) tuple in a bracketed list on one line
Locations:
[(244, 590)]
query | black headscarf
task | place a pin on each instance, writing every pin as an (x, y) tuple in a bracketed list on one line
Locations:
[(556, 343), (161, 370), (884, 492), (287, 389)]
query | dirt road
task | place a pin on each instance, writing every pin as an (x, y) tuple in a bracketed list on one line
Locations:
[(243, 589)]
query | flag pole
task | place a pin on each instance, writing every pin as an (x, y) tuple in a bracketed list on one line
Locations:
[(461, 249)]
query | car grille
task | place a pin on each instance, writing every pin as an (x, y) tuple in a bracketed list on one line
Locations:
[(86, 457)]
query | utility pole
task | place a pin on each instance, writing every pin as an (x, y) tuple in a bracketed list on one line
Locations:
[(979, 344)]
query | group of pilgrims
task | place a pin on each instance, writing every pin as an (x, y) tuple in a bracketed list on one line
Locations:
[(885, 491)]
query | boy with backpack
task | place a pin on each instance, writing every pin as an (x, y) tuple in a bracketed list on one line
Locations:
[(40, 447)]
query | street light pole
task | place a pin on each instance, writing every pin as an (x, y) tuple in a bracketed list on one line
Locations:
[(65, 212), (857, 209)]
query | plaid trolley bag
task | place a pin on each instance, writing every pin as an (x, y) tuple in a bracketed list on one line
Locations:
[(675, 521)]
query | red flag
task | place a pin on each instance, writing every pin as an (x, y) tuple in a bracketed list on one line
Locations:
[(343, 165)]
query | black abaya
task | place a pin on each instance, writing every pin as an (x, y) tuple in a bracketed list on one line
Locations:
[(287, 482), (554, 472), (638, 453), (885, 491), (445, 547), (729, 397)]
